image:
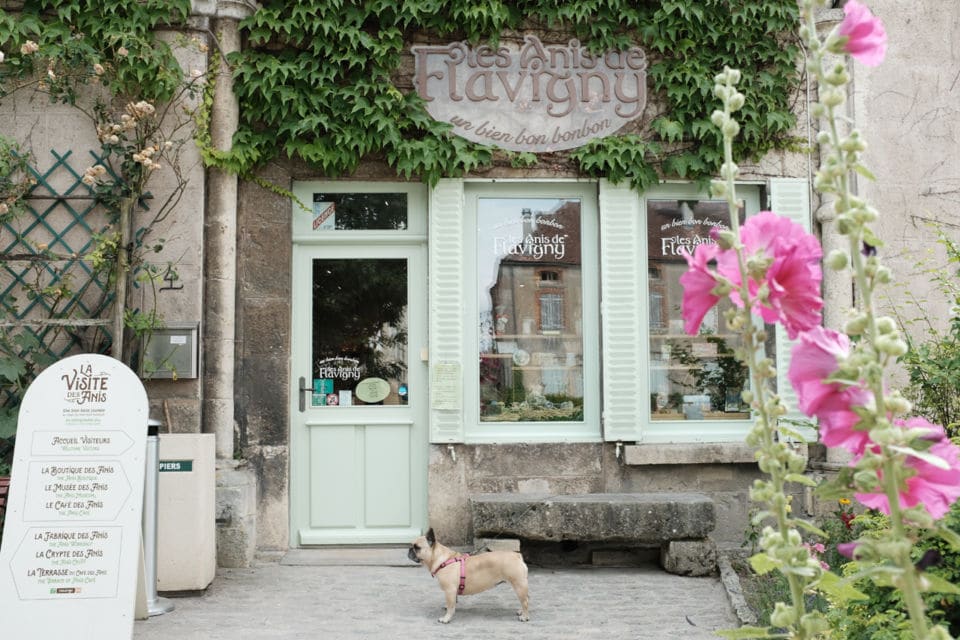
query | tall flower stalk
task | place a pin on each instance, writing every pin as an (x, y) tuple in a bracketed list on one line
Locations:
[(743, 273), (899, 454), (901, 465)]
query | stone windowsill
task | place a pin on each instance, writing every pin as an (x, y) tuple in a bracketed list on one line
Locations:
[(688, 453)]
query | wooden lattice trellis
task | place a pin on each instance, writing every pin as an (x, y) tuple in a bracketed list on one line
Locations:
[(49, 289)]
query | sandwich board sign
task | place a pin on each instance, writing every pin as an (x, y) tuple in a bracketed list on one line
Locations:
[(71, 540)]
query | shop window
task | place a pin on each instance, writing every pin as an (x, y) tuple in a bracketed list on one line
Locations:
[(691, 377), (530, 310), (558, 274)]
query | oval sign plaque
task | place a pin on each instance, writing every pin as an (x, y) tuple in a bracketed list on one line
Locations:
[(372, 389), (527, 96)]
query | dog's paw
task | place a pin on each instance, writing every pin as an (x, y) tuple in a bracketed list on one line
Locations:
[(443, 620), (522, 617)]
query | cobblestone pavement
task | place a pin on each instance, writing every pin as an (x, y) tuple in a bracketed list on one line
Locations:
[(275, 600)]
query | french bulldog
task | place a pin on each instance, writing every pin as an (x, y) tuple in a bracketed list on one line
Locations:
[(465, 574)]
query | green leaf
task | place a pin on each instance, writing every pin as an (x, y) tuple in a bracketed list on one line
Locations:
[(763, 564), (838, 589), (862, 170), (949, 536), (799, 478), (929, 458), (932, 583), (8, 422), (12, 368)]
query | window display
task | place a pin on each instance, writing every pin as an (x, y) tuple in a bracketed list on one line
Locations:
[(530, 309), (691, 377)]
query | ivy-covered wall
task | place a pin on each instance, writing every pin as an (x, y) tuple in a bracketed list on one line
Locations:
[(318, 80)]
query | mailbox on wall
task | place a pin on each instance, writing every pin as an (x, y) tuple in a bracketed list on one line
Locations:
[(170, 352)]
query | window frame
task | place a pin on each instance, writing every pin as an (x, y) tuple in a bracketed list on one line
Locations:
[(589, 430), (680, 431)]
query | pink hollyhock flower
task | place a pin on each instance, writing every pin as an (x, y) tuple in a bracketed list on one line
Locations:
[(698, 284), (793, 277), (838, 421), (932, 486), (866, 39), (813, 359)]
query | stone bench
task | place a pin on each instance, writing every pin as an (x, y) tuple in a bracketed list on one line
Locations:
[(679, 523)]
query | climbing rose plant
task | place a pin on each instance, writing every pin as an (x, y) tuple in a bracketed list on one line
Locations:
[(769, 267)]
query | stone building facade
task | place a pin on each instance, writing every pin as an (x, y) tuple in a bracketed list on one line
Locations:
[(295, 471)]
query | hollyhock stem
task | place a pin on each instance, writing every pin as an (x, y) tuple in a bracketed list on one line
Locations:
[(772, 455), (840, 167)]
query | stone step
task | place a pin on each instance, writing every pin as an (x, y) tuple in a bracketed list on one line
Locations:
[(635, 518)]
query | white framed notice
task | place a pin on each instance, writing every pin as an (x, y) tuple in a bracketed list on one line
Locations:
[(71, 540)]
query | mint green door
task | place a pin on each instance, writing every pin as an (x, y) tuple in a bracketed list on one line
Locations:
[(358, 446)]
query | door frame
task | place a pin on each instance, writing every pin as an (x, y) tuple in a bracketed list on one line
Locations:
[(411, 244)]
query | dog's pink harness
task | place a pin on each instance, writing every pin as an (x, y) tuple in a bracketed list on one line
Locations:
[(463, 570)]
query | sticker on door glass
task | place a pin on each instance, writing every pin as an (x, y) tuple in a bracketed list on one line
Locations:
[(324, 215), (372, 390), (321, 387)]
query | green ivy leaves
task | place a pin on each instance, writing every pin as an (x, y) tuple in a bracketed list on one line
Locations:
[(316, 80)]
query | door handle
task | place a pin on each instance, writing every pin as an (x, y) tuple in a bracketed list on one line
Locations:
[(300, 391)]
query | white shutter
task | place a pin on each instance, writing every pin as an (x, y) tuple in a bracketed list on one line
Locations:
[(622, 326), (790, 197), (447, 305)]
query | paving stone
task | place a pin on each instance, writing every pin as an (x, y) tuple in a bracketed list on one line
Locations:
[(273, 601)]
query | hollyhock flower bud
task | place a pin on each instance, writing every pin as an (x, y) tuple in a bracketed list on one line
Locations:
[(862, 34), (838, 260), (848, 549), (891, 345), (718, 188), (833, 98), (782, 615), (856, 326), (736, 101), (886, 324), (897, 404)]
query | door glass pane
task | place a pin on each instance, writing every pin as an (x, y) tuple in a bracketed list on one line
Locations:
[(691, 377), (359, 332), (530, 309), (359, 211)]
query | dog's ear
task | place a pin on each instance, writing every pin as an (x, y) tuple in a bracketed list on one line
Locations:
[(431, 539)]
